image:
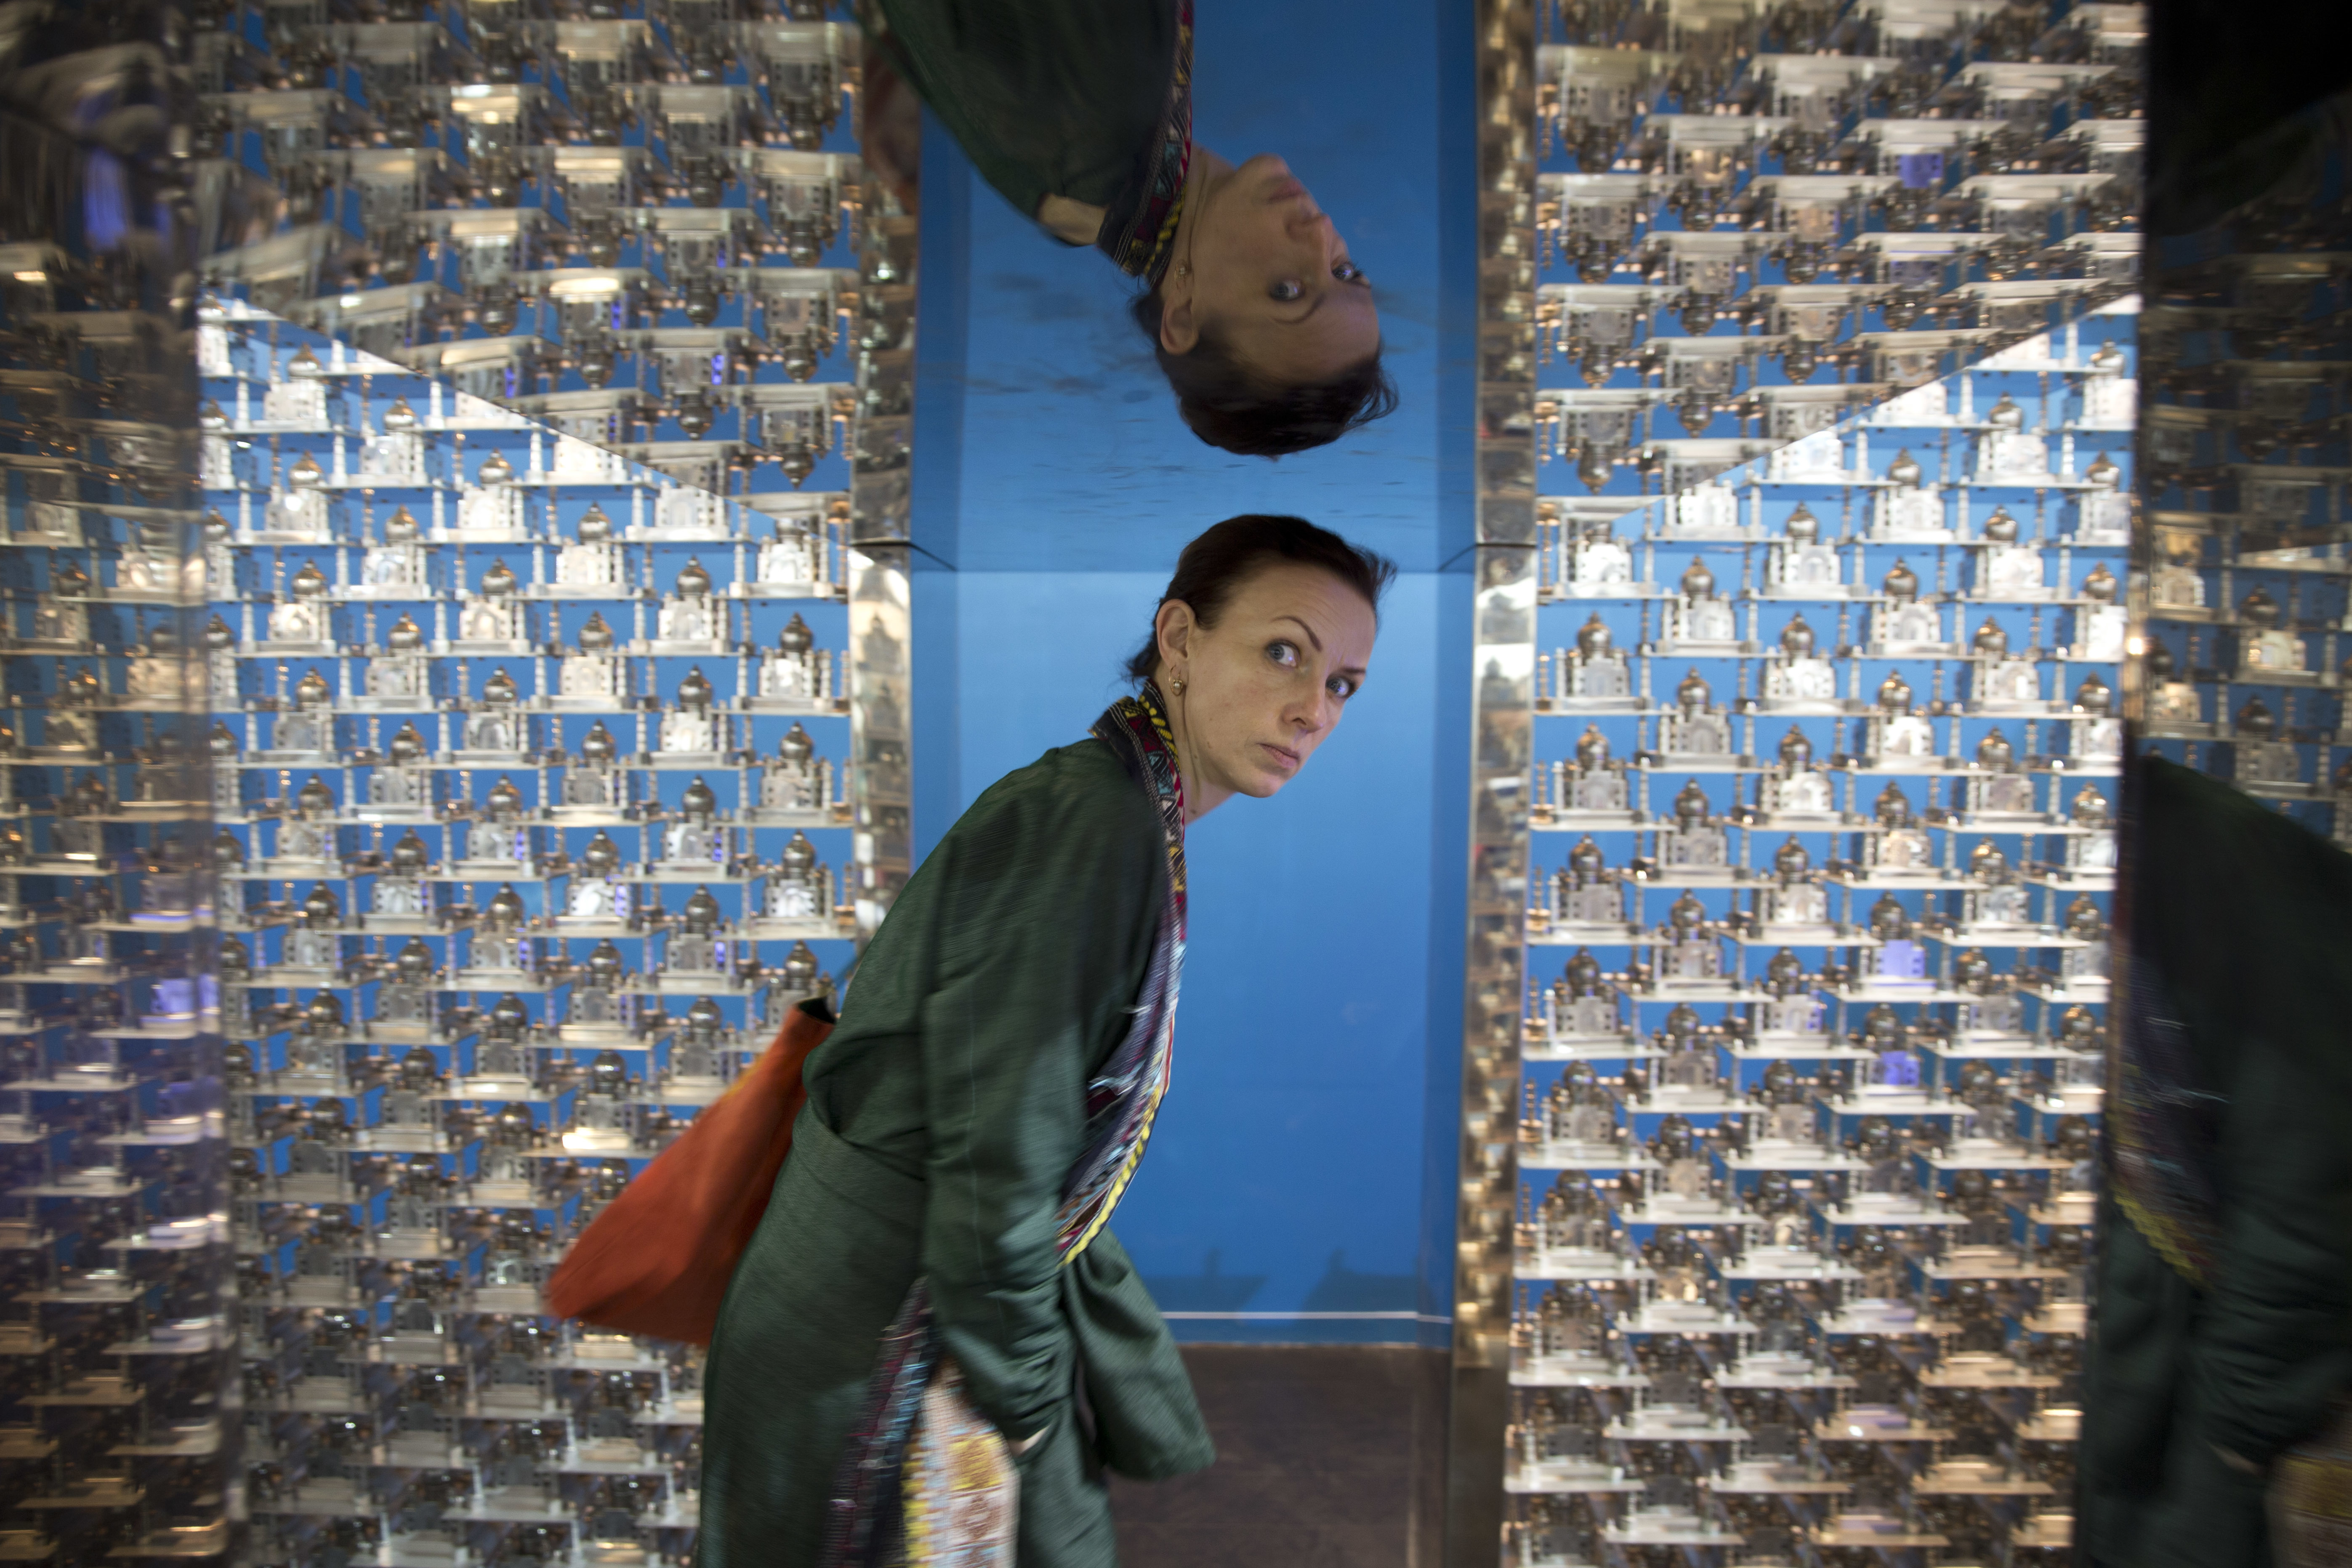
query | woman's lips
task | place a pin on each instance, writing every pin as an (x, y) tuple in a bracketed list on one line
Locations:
[(1284, 758), (1284, 189)]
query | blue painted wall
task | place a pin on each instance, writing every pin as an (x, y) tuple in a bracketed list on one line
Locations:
[(1299, 1185)]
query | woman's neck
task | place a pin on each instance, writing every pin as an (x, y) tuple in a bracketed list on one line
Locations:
[(1203, 177), (1200, 796)]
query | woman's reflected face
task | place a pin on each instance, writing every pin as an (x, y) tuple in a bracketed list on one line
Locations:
[(1273, 280)]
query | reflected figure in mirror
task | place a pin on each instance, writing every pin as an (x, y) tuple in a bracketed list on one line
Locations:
[(1081, 116)]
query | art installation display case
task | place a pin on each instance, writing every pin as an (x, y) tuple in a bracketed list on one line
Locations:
[(1805, 1149), (472, 577), (1807, 415), (531, 825)]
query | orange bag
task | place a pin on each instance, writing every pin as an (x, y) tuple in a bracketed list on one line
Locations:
[(657, 1258)]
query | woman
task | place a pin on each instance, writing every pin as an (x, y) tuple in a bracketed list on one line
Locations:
[(1080, 113), (931, 1305)]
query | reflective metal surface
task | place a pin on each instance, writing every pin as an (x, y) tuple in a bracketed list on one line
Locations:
[(1503, 666), (881, 529)]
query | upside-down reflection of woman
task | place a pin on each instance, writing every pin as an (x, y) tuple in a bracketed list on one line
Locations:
[(1080, 113)]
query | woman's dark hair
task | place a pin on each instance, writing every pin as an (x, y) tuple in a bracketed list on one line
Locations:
[(1214, 567), (1228, 406)]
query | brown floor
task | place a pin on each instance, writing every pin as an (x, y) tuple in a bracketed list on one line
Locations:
[(1328, 1456)]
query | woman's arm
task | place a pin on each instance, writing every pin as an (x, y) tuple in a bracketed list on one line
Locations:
[(1046, 924)]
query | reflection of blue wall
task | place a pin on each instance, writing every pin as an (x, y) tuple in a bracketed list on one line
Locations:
[(1305, 1162)]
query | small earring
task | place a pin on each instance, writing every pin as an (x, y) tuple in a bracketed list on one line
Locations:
[(1176, 686)]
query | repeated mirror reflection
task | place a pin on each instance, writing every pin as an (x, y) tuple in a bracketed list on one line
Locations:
[(1080, 115), (642, 227), (118, 1427), (2242, 563), (498, 535), (532, 819), (1806, 429), (534, 663), (1823, 818)]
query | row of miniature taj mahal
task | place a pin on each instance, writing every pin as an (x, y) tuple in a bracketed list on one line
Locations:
[(1800, 675), (794, 676), (496, 837), (695, 614), (402, 557), (1892, 731)]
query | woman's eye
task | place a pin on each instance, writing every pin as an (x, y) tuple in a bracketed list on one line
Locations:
[(1287, 289), (1282, 653), (1340, 687), (1348, 272)]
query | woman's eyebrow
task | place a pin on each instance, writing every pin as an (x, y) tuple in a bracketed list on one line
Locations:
[(1303, 626)]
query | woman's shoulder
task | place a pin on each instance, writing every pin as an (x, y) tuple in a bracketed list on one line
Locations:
[(1074, 815), (1084, 767), (1065, 843), (1071, 792)]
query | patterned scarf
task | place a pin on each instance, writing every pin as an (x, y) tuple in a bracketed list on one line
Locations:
[(1122, 1101), (2161, 1123), (1142, 247), (926, 1480), (2161, 1142)]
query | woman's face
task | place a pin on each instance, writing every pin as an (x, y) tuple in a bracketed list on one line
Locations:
[(1265, 685), (1270, 278)]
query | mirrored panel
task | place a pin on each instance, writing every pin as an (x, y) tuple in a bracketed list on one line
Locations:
[(555, 428), (119, 1431), (1811, 386), (529, 776)]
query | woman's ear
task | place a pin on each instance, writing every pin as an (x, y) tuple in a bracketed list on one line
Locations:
[(1178, 333), (1173, 627)]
